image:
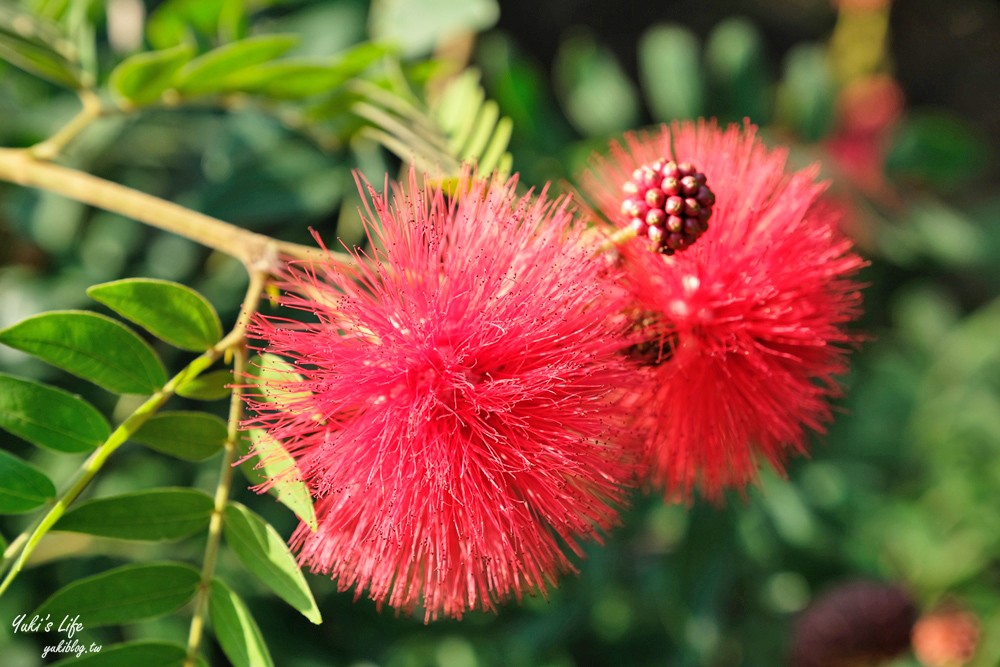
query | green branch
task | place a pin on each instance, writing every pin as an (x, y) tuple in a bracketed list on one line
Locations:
[(96, 460)]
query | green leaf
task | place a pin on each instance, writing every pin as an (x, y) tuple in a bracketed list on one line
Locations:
[(176, 21), (263, 552), (420, 25), (50, 417), (807, 91), (937, 148), (37, 47), (597, 95), (266, 370), (271, 465), (22, 487), (458, 125), (170, 311), (125, 594), (299, 78), (670, 71), (90, 346), (192, 436), (154, 515), (475, 130), (208, 386), (208, 73), (147, 654), (235, 628), (736, 65), (143, 77)]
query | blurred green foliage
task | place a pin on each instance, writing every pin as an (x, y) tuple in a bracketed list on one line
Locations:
[(903, 488)]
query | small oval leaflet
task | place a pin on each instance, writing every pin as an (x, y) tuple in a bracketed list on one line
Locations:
[(22, 487), (49, 417), (153, 515), (130, 654), (210, 72), (188, 435), (236, 629), (211, 386), (125, 594), (271, 464), (264, 553), (90, 346), (144, 77), (170, 311)]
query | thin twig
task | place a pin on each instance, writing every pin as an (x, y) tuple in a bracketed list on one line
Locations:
[(222, 489), (92, 110)]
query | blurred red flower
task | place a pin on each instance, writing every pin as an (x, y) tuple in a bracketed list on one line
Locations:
[(459, 401), (947, 636), (748, 324)]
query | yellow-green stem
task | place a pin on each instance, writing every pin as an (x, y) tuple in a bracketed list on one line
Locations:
[(21, 167), (620, 236), (222, 489), (97, 459)]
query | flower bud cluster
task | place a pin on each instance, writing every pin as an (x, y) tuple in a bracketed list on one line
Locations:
[(668, 203)]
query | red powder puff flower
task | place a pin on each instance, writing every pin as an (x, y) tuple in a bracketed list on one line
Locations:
[(947, 636), (745, 321), (460, 400)]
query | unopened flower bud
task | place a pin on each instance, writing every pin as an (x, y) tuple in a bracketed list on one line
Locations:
[(673, 198)]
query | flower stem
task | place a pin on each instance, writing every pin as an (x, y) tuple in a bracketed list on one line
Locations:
[(620, 236), (24, 168), (222, 489), (29, 540), (91, 111)]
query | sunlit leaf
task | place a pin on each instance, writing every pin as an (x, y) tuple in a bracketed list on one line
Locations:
[(176, 21), (267, 369), (157, 514), (192, 436), (125, 594), (458, 125), (90, 346), (142, 78), (37, 47), (670, 72), (22, 487), (597, 95), (299, 78), (417, 26), (236, 629), (170, 311), (264, 553), (272, 466), (208, 73), (50, 417)]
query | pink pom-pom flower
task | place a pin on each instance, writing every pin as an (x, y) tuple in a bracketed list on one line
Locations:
[(458, 412), (748, 323)]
